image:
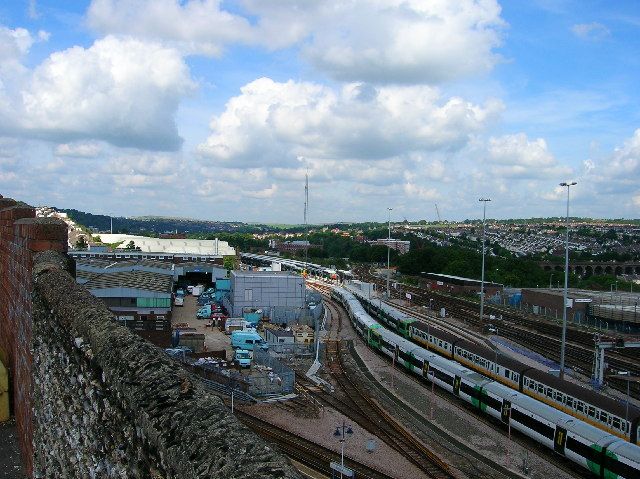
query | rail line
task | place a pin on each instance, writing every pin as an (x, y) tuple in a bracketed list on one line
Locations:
[(361, 408), (306, 452), (461, 451)]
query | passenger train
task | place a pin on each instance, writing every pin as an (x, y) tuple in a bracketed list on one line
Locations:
[(605, 413), (600, 452)]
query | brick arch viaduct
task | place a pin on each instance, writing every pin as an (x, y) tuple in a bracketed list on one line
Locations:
[(589, 268)]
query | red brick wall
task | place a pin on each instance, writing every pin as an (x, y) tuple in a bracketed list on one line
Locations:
[(22, 235)]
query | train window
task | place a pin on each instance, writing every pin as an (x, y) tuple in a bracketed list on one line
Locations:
[(580, 406), (604, 417), (569, 402), (559, 397), (591, 411), (616, 423), (549, 392), (541, 388)]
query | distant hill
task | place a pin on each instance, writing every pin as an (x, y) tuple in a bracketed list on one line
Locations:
[(158, 224)]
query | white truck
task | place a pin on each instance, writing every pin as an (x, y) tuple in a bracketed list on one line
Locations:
[(197, 290)]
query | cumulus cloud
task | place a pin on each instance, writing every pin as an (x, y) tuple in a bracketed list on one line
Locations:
[(590, 31), (518, 157), (273, 123), (401, 41), (120, 90), (194, 26)]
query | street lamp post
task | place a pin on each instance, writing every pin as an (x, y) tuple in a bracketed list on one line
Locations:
[(484, 217), (389, 252), (342, 432), (566, 283), (550, 278)]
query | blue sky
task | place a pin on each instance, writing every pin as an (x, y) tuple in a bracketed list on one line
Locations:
[(216, 110)]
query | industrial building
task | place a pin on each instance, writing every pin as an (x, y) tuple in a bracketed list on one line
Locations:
[(611, 310), (137, 292), (459, 285), (172, 246), (280, 294), (141, 300)]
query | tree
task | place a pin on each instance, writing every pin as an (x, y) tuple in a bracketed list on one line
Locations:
[(81, 243), (229, 263), (130, 245)]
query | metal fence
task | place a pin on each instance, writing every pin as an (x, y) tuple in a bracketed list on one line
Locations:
[(275, 379)]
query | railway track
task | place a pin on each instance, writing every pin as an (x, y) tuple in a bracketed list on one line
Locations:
[(466, 459), (306, 452), (366, 412)]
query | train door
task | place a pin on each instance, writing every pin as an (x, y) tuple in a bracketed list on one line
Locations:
[(456, 386), (425, 369), (560, 440), (505, 413), (396, 353)]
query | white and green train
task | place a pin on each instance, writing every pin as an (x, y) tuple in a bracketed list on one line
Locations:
[(604, 454)]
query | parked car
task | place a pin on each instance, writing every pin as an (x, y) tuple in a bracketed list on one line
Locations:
[(178, 301), (180, 292)]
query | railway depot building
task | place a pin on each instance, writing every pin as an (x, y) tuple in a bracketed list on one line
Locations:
[(138, 294)]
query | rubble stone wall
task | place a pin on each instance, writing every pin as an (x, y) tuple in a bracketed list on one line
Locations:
[(91, 398)]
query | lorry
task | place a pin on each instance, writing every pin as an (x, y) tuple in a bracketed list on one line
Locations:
[(242, 358), (247, 340)]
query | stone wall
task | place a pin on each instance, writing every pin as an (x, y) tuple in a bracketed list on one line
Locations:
[(91, 398)]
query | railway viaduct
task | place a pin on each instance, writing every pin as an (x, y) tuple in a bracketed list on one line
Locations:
[(588, 268)]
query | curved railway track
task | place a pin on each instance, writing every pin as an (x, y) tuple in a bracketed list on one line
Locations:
[(306, 452), (461, 451), (361, 408)]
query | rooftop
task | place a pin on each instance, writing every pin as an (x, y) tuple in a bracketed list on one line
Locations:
[(144, 280)]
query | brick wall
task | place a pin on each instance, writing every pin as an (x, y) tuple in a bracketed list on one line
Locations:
[(91, 398)]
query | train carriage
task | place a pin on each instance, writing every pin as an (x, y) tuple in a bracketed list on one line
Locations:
[(604, 454), (604, 413)]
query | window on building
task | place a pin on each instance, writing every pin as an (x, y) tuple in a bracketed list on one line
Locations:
[(248, 295)]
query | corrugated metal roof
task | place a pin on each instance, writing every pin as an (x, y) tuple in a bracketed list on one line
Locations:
[(131, 279)]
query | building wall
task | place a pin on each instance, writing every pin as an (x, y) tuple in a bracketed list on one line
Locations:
[(85, 388), (266, 291)]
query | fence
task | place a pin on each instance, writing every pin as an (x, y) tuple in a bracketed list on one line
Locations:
[(277, 378)]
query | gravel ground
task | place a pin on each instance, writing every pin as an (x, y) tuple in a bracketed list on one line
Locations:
[(320, 430)]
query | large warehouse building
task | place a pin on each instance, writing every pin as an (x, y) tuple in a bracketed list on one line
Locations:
[(274, 292)]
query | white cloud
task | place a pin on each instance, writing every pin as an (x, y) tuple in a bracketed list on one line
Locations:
[(401, 41), (590, 31), (194, 26), (517, 156), (123, 91), (272, 123), (415, 191), (14, 44), (79, 150)]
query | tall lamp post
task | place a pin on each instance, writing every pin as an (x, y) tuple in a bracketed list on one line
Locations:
[(566, 282), (484, 217), (342, 432), (389, 253)]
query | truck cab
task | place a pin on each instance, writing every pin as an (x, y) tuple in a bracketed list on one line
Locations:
[(242, 358)]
